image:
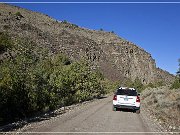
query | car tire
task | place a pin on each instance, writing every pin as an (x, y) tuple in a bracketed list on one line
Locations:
[(114, 108), (137, 111)]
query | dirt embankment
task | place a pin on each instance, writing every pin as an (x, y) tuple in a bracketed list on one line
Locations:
[(163, 105)]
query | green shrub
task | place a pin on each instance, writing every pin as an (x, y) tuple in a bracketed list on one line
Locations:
[(75, 26), (64, 21), (137, 84), (18, 14), (5, 42), (151, 85), (110, 86), (175, 84), (159, 84), (6, 27)]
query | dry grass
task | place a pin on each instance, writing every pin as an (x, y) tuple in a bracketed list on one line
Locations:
[(164, 105)]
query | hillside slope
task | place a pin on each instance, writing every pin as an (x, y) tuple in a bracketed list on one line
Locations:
[(163, 105), (114, 56)]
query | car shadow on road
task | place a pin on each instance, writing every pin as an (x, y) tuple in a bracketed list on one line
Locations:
[(125, 110), (101, 97)]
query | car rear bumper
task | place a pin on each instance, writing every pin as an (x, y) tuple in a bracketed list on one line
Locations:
[(127, 107)]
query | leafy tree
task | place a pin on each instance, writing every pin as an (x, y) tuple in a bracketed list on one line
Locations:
[(176, 83), (137, 84), (178, 72)]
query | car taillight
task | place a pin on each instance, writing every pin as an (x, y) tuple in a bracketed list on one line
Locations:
[(115, 97), (138, 99)]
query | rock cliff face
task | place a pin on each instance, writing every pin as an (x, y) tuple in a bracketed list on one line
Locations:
[(114, 56)]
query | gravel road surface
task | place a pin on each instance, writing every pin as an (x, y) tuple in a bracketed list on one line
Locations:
[(95, 117)]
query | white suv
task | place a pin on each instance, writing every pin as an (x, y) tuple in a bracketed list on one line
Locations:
[(126, 98)]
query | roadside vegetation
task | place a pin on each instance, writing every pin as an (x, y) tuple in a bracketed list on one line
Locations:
[(139, 86), (32, 83), (176, 83), (163, 104)]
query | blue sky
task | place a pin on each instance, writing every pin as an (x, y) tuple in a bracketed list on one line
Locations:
[(154, 27)]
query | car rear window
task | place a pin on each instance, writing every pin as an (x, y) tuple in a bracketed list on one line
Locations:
[(127, 92)]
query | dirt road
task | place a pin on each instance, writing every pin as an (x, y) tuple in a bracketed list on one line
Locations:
[(95, 117)]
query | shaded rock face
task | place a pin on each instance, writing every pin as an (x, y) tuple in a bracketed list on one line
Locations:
[(114, 56)]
